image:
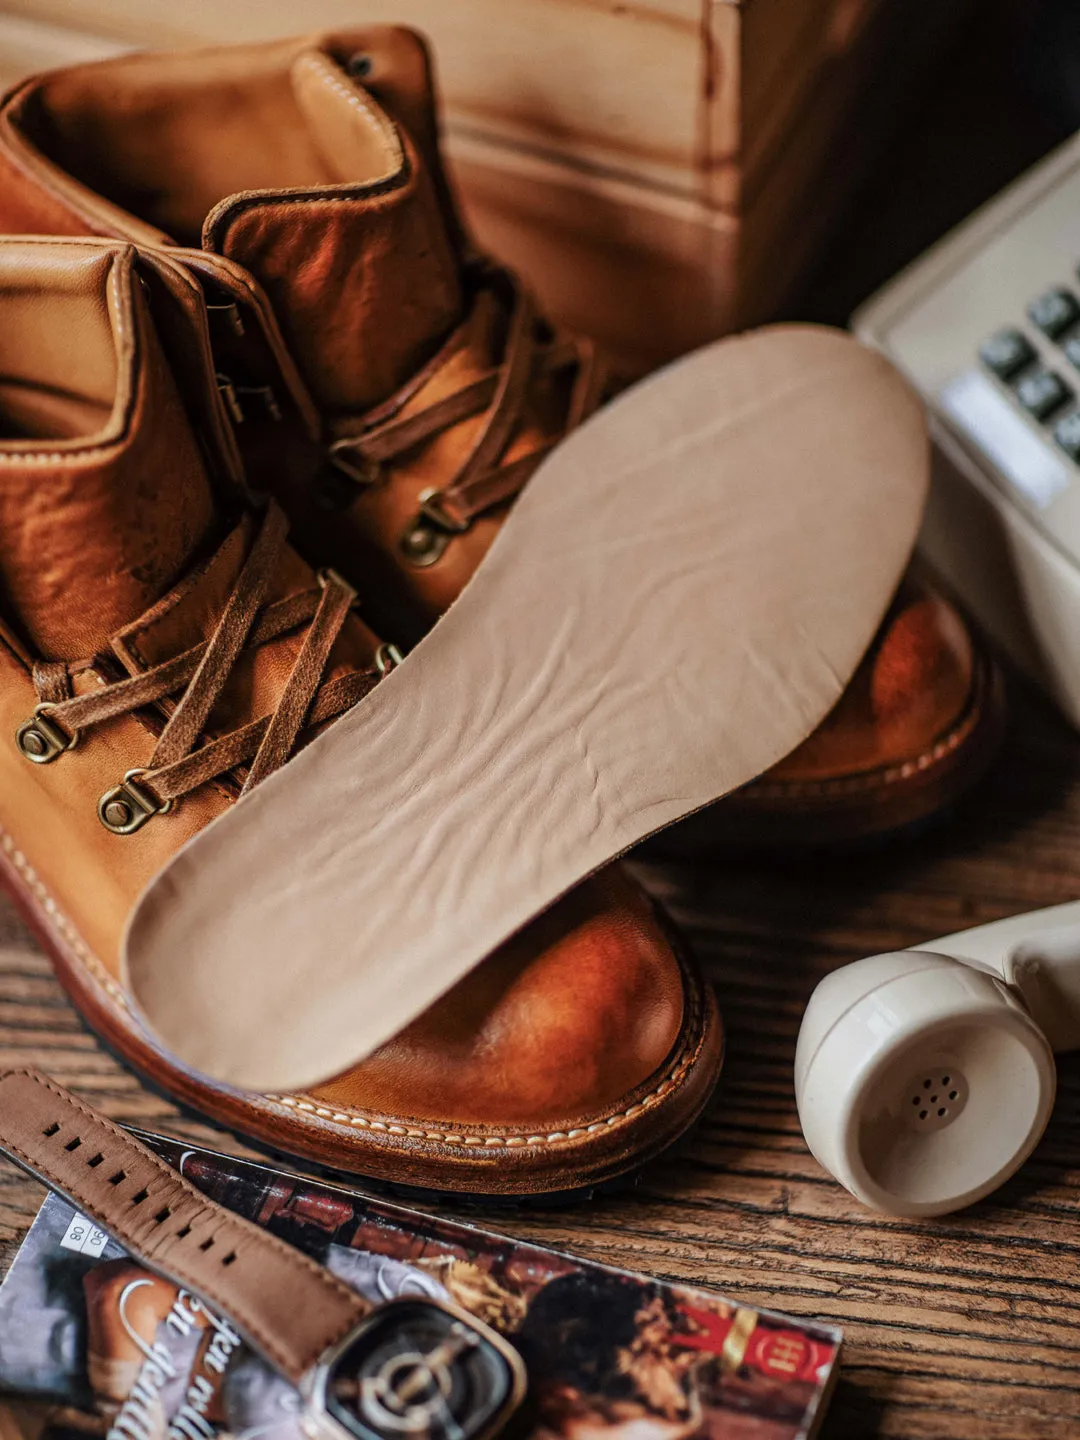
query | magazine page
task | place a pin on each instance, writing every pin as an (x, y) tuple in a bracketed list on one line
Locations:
[(96, 1343)]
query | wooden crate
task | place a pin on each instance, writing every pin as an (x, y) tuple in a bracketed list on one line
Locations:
[(663, 171)]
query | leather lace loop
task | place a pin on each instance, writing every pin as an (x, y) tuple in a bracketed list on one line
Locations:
[(532, 352), (199, 675)]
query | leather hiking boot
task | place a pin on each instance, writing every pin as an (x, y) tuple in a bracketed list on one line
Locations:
[(396, 389), (163, 651)]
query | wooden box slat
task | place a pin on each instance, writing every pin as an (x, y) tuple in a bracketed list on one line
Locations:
[(615, 86), (661, 170)]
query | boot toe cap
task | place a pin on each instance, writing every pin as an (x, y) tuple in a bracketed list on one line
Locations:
[(912, 688), (563, 1023)]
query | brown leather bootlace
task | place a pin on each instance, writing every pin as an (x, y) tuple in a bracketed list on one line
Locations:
[(485, 479), (201, 673)]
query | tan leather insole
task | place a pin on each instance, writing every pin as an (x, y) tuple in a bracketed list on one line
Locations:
[(675, 602)]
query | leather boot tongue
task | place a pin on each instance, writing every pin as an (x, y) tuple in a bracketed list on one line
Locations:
[(95, 534), (362, 272)]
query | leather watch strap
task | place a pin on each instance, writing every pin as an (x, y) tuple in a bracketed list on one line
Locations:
[(283, 1303)]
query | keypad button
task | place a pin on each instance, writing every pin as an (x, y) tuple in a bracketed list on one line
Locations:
[(1067, 434), (1054, 311), (1042, 392), (1007, 352)]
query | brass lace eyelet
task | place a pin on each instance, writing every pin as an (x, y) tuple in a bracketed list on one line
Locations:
[(431, 531), (344, 475), (128, 806), (329, 576), (343, 455), (422, 544), (387, 658), (41, 740)]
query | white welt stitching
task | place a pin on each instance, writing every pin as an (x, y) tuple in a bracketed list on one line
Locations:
[(324, 73), (871, 779), (362, 1122)]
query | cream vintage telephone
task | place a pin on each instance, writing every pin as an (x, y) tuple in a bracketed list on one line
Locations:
[(986, 326), (925, 1077)]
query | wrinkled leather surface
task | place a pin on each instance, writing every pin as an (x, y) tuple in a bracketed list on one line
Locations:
[(626, 654), (362, 267), (362, 283), (95, 530)]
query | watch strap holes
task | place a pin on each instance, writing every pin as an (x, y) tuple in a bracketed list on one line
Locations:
[(162, 1215), (183, 1232), (229, 1258), (118, 1178), (73, 1144), (95, 1160), (207, 1243), (52, 1129), (140, 1197)]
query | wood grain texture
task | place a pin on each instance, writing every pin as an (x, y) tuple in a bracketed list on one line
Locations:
[(966, 1327), (597, 82)]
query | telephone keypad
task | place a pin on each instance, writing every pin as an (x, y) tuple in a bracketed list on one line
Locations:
[(1042, 392), (1067, 435), (1054, 311), (1007, 352), (1014, 359)]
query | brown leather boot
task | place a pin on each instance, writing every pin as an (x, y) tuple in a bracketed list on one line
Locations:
[(162, 650), (305, 173)]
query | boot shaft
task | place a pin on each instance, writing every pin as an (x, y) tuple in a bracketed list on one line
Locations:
[(108, 461), (145, 607), (325, 189)]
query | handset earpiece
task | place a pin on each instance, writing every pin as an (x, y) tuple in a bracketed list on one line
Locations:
[(924, 1078)]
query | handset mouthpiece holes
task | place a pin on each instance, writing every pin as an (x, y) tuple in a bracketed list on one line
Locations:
[(934, 1099)]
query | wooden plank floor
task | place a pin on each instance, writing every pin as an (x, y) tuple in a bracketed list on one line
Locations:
[(967, 1327)]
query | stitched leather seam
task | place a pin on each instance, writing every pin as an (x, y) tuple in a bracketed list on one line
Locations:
[(118, 301), (58, 457), (221, 218), (96, 452), (325, 75), (490, 1142), (353, 1118), (232, 1224), (874, 779), (513, 1141)]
